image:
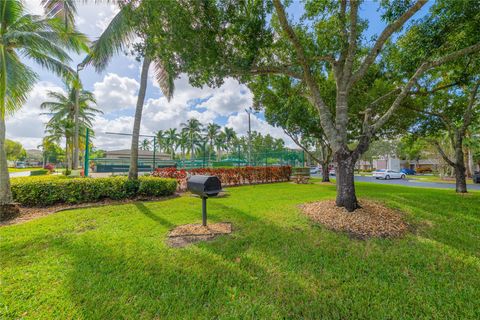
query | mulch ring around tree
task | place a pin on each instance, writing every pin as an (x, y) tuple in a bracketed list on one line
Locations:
[(372, 220), (191, 233)]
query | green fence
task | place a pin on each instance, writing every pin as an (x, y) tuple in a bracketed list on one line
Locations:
[(268, 158)]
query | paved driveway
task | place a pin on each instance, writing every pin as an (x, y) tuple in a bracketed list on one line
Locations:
[(412, 183)]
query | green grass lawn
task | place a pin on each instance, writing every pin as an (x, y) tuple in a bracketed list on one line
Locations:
[(24, 169), (112, 262), (435, 178)]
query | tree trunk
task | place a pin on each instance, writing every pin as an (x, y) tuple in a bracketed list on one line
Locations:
[(345, 166), (459, 168), (5, 191), (76, 132), (325, 172), (460, 179), (133, 170)]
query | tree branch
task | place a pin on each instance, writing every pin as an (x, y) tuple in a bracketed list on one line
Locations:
[(295, 140), (384, 36), (326, 119), (467, 116), (352, 42), (420, 71), (442, 153), (276, 70)]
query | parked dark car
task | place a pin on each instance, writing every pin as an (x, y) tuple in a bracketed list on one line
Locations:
[(408, 171), (476, 177)]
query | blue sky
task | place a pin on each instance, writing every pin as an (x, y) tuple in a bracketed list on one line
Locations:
[(116, 90)]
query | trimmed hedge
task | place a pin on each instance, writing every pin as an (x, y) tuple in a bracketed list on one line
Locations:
[(229, 176), (40, 172), (44, 192)]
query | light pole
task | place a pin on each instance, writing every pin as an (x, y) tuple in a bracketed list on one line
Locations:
[(249, 112)]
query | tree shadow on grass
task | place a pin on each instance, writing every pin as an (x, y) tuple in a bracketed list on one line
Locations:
[(266, 270), (155, 217)]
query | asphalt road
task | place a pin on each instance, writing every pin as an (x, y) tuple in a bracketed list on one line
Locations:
[(412, 183)]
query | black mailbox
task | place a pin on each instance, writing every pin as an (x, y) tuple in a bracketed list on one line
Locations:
[(204, 186)]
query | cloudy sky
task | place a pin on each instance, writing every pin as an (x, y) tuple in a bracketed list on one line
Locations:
[(116, 90)]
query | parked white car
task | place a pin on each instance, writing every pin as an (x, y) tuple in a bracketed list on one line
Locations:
[(388, 174)]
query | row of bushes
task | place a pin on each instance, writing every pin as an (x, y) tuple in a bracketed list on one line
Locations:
[(44, 192), (229, 176)]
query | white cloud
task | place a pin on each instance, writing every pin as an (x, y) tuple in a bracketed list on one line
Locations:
[(239, 122), (116, 93), (34, 7), (230, 97), (107, 141), (27, 125), (105, 16)]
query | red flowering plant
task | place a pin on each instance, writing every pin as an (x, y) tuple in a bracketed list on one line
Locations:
[(228, 176)]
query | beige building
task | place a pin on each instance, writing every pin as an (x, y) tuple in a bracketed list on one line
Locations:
[(142, 155)]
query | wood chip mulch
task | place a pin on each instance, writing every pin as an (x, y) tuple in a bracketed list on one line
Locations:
[(30, 213), (371, 220), (191, 233)]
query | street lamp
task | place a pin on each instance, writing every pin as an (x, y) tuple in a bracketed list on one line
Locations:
[(250, 111)]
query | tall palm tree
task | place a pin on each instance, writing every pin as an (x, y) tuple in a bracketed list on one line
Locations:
[(171, 141), (145, 145), (41, 41), (65, 11), (62, 129), (221, 144), (183, 143), (193, 128), (230, 137), (211, 131), (116, 38), (160, 140), (63, 110)]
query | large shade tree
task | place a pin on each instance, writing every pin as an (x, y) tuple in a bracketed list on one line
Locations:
[(42, 41), (213, 40)]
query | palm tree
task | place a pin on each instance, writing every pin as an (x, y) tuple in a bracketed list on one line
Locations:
[(65, 11), (171, 141), (183, 143), (145, 145), (62, 129), (221, 144), (43, 42), (160, 140), (63, 110), (230, 137), (211, 135), (192, 127), (121, 31)]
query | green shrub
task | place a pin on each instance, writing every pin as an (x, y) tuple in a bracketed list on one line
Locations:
[(44, 192), (40, 172), (156, 187)]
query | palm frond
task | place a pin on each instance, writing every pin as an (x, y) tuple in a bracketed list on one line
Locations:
[(118, 34), (65, 10), (21, 80), (164, 78)]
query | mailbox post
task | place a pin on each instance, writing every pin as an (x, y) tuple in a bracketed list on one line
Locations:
[(205, 187)]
